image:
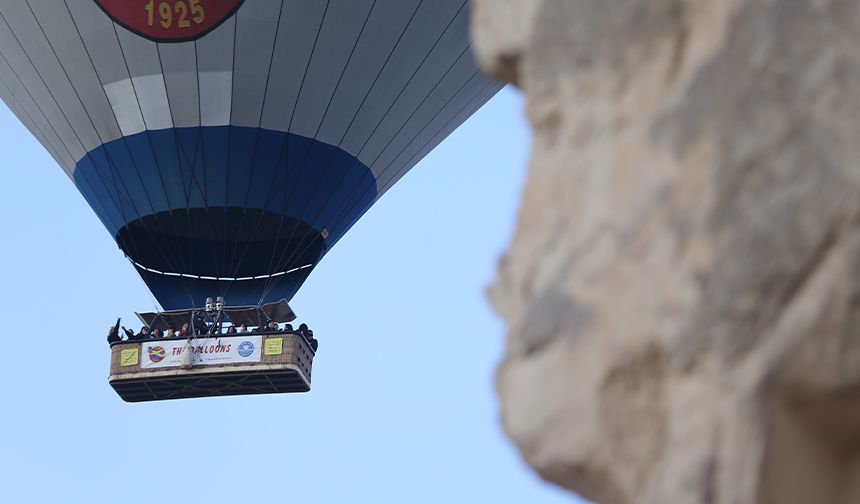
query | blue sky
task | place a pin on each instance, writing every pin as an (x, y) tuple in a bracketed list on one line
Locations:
[(402, 408)]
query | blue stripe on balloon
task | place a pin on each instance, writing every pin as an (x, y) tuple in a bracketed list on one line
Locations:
[(156, 171), (225, 166)]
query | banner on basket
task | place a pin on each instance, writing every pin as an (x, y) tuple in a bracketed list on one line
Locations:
[(204, 351)]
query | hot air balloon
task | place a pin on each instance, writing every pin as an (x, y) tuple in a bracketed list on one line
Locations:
[(227, 145)]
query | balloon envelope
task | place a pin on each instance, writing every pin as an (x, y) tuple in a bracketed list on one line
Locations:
[(227, 145)]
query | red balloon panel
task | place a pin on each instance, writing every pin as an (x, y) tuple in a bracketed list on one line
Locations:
[(170, 20)]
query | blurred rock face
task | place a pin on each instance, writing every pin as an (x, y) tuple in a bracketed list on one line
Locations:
[(683, 290)]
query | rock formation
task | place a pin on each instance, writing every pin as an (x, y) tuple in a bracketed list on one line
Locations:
[(682, 293)]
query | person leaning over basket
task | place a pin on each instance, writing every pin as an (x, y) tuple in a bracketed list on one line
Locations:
[(142, 335), (113, 335)]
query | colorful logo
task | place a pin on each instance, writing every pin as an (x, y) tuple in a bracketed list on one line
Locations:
[(246, 348), (157, 353), (170, 20)]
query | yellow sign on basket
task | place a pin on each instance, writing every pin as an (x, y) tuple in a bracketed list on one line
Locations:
[(273, 346), (128, 356)]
